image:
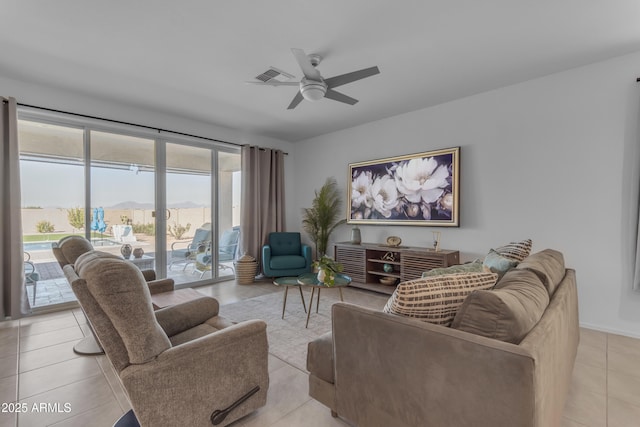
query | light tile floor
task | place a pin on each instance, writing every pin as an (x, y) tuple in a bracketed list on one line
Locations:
[(53, 288), (38, 366)]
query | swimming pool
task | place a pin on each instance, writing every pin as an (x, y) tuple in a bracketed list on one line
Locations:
[(37, 246), (46, 246)]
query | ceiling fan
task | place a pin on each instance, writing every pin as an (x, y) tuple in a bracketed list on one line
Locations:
[(313, 87)]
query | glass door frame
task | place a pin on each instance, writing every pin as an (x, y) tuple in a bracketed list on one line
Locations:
[(88, 124)]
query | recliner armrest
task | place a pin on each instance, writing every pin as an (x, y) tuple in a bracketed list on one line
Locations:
[(149, 275), (180, 317), (160, 285), (208, 373)]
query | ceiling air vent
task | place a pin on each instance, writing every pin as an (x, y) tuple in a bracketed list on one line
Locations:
[(274, 74)]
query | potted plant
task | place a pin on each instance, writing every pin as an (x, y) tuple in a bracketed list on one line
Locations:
[(323, 216), (327, 268)]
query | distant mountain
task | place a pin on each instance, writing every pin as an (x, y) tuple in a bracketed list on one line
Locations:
[(184, 205), (130, 204)]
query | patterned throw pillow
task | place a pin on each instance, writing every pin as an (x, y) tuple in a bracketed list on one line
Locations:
[(436, 299), (516, 251)]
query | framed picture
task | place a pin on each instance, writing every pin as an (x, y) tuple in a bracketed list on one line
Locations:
[(415, 189)]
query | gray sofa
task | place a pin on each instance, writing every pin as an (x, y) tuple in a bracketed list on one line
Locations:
[(379, 369)]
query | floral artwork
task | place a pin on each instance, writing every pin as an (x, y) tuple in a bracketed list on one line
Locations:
[(417, 189)]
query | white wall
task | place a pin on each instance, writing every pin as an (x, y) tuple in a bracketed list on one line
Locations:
[(549, 159)]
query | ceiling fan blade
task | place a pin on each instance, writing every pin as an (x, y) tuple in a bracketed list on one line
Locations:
[(351, 77), (275, 83), (307, 68), (340, 97), (296, 100)]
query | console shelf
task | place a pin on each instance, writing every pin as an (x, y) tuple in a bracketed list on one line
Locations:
[(365, 263)]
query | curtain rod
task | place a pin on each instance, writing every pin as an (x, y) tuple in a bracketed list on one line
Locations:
[(135, 124)]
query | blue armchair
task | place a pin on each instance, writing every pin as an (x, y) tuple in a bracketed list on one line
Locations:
[(285, 255)]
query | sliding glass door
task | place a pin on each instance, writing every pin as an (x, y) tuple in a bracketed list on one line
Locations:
[(122, 196), (203, 212), (53, 191), (168, 205)]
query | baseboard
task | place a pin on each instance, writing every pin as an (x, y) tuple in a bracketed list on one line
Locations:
[(610, 330)]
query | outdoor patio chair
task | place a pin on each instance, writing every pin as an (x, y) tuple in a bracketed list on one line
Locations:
[(185, 252), (227, 251), (31, 275)]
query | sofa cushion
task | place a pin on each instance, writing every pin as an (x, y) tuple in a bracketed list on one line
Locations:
[(508, 312), (285, 243), (320, 357), (286, 262), (436, 299), (548, 265), (470, 267), (496, 263), (516, 251)]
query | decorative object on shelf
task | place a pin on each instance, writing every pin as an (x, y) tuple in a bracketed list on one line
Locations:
[(388, 268), (389, 281), (394, 241), (436, 241), (356, 237), (138, 252), (323, 216), (246, 269), (327, 268), (126, 250), (389, 256), (414, 189)]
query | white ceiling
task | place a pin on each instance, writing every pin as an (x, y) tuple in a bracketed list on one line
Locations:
[(192, 58)]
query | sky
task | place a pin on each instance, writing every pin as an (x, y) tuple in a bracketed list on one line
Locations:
[(62, 186)]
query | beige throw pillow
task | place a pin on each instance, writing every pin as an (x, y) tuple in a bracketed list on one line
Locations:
[(436, 299), (516, 251)]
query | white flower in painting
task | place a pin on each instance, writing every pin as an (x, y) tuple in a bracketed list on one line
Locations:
[(360, 189), (384, 195), (422, 180)]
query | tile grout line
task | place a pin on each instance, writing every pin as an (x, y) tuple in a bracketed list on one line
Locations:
[(18, 368), (606, 381)]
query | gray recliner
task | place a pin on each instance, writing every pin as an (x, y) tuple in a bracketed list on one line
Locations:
[(67, 250), (180, 365)]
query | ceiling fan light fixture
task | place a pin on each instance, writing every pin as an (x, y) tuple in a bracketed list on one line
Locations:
[(312, 90)]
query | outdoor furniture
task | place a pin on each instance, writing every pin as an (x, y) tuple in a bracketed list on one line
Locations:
[(31, 275), (180, 365), (285, 255), (185, 252), (123, 233), (227, 248)]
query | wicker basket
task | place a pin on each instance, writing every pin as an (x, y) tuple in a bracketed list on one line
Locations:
[(246, 269)]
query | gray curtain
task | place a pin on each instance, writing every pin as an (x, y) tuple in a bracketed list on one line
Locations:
[(13, 297), (632, 164), (262, 210)]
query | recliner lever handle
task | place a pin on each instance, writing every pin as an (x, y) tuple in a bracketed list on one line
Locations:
[(219, 415)]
